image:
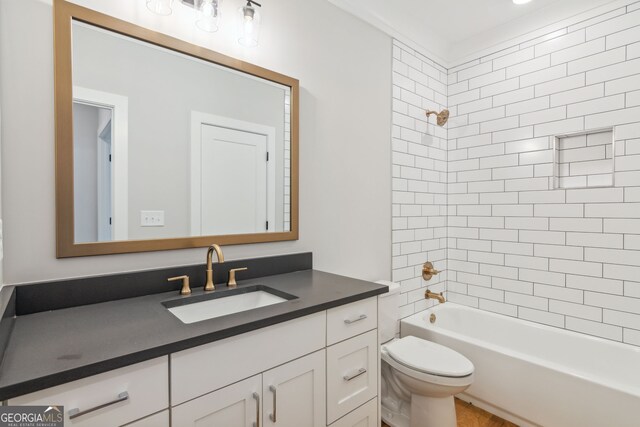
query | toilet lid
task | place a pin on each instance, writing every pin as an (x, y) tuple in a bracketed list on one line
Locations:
[(429, 357)]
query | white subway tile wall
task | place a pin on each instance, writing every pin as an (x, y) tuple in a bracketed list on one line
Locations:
[(420, 174), (513, 244)]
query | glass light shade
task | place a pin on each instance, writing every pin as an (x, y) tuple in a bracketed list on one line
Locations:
[(249, 26), (160, 7), (209, 15)]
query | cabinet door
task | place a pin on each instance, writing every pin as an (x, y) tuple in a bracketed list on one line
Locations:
[(237, 405), (294, 393)]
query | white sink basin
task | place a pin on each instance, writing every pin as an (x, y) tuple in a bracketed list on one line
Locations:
[(224, 305)]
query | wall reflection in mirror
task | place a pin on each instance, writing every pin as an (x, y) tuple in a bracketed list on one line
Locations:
[(167, 146)]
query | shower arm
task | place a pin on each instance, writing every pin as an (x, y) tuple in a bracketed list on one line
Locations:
[(441, 117)]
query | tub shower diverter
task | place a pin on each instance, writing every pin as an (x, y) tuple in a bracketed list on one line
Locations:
[(222, 303)]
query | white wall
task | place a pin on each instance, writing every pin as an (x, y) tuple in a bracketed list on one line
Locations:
[(567, 258), (342, 65)]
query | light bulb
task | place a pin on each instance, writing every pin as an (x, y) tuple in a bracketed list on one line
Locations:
[(249, 28), (160, 7), (209, 16)]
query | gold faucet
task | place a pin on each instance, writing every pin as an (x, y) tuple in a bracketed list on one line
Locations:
[(209, 286), (433, 295)]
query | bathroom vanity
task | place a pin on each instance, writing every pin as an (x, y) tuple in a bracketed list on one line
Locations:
[(308, 361)]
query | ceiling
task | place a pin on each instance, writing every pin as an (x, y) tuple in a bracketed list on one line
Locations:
[(453, 30)]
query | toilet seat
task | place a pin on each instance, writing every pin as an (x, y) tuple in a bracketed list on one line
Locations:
[(428, 361)]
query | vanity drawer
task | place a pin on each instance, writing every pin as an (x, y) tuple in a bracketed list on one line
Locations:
[(352, 319), (352, 374), (146, 386), (364, 416)]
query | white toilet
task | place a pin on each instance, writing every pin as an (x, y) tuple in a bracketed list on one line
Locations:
[(419, 377)]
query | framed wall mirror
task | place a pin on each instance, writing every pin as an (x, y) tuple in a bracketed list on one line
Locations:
[(161, 144)]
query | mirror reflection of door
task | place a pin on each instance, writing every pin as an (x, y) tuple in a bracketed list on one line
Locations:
[(233, 176), (234, 181), (100, 166), (92, 172)]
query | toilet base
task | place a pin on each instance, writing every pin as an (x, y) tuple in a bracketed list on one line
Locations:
[(425, 412), (432, 411), (393, 418)]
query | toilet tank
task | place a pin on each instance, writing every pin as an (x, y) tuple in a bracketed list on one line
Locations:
[(388, 311)]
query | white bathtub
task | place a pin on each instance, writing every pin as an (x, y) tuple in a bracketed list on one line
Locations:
[(536, 375)]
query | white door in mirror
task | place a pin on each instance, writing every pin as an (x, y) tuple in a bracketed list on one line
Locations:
[(234, 181)]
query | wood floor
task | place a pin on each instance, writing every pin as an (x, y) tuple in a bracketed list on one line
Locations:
[(471, 416)]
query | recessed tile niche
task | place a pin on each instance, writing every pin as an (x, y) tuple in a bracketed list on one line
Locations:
[(584, 159)]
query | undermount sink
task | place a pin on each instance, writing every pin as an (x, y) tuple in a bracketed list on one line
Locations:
[(226, 302)]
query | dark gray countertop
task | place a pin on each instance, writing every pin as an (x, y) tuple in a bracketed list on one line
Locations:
[(50, 348)]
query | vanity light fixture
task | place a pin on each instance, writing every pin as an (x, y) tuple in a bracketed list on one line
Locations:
[(249, 24), (519, 2), (209, 12)]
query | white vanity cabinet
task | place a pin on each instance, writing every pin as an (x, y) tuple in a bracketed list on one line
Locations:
[(318, 370), (315, 371)]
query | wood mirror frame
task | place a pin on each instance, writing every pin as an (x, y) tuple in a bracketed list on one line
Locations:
[(64, 14)]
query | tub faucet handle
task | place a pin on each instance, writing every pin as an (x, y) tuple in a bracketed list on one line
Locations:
[(428, 271)]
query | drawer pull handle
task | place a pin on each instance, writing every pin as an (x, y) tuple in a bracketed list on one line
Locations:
[(274, 417), (76, 412), (359, 318), (256, 396), (361, 371)]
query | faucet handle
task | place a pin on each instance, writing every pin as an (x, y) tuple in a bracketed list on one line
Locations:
[(186, 290), (232, 276), (428, 271)]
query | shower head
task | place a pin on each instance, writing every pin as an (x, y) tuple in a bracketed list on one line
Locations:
[(441, 117)]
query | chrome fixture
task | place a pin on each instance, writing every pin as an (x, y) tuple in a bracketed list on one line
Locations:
[(186, 290), (209, 286), (249, 21), (232, 276), (433, 295), (441, 117), (428, 271)]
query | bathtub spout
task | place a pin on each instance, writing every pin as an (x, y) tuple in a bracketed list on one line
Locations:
[(433, 295)]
